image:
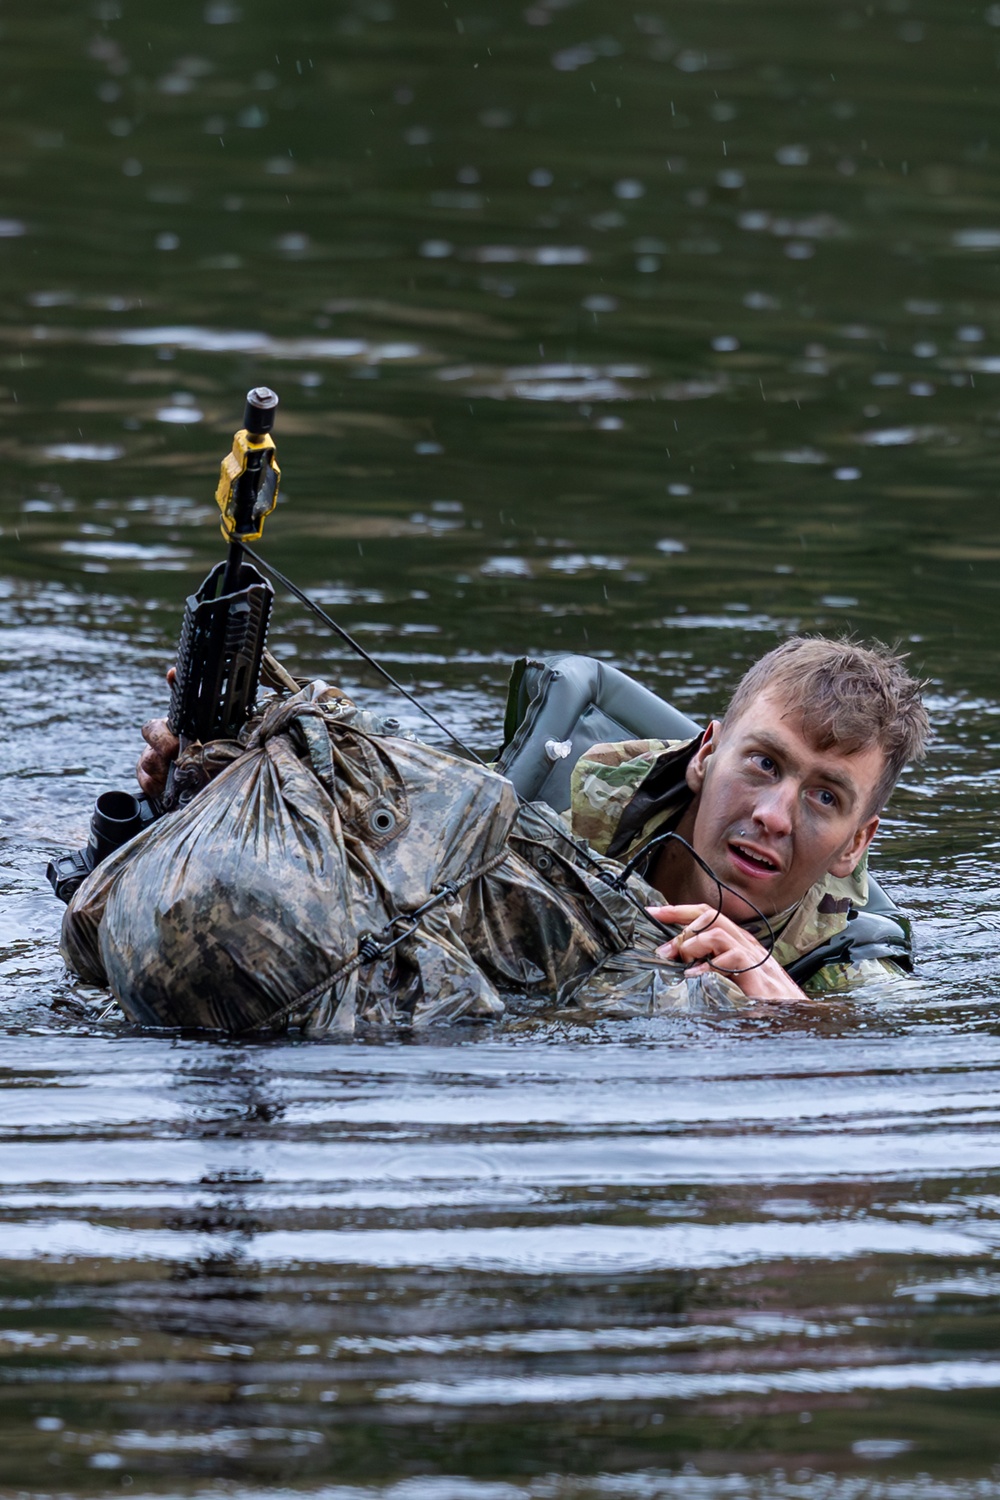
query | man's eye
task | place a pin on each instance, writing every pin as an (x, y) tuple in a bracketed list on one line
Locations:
[(826, 797), (765, 763)]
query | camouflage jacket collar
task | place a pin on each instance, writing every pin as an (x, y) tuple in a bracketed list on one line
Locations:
[(624, 795)]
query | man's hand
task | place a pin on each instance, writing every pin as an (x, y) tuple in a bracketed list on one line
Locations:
[(153, 765), (729, 947)]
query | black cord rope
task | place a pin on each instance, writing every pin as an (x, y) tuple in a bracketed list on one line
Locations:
[(619, 881), (349, 640), (720, 886), (372, 946)]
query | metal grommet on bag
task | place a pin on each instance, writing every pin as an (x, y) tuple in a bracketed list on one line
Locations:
[(382, 820)]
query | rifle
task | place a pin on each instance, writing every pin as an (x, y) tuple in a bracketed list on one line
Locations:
[(221, 642)]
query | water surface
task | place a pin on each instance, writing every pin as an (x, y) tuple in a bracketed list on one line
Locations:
[(656, 335)]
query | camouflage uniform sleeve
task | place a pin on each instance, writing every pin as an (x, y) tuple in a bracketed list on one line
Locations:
[(603, 783), (837, 978)]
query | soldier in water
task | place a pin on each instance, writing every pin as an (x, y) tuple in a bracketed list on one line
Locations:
[(781, 799)]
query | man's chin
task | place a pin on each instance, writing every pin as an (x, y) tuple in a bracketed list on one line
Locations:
[(743, 911), (742, 905), (750, 895)]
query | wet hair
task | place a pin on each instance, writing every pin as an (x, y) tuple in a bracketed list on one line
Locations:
[(849, 695)]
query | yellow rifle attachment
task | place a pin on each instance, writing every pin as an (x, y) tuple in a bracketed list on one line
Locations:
[(253, 455)]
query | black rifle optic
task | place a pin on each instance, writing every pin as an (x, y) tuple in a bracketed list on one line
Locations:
[(221, 642)]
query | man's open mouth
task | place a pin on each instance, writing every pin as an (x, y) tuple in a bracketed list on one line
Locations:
[(754, 860)]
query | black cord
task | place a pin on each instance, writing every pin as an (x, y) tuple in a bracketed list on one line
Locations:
[(720, 886), (619, 881), (372, 947), (349, 640)]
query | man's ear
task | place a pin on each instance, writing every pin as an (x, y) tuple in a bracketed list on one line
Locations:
[(850, 857), (695, 773)]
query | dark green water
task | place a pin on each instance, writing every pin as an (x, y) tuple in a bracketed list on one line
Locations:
[(656, 335)]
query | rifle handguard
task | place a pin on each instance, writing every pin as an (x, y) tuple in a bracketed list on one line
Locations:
[(219, 655)]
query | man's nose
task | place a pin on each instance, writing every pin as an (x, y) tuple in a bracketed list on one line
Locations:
[(775, 809)]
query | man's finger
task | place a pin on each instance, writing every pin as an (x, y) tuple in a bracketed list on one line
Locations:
[(721, 947), (685, 945), (151, 773), (678, 914), (687, 918), (159, 738), (706, 918), (153, 765), (692, 945)]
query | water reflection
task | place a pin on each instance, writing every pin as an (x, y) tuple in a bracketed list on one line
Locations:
[(319, 1243)]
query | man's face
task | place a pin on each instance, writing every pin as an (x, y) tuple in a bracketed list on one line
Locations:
[(774, 814)]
